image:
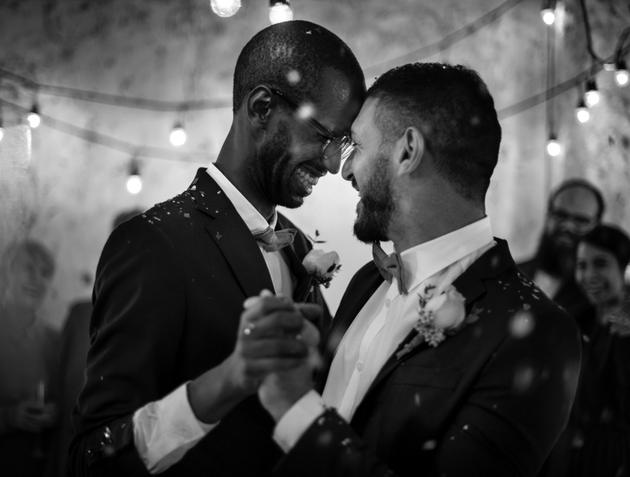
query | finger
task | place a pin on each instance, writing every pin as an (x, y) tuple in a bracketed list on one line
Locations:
[(310, 311), (310, 334), (286, 348), (264, 306), (254, 299), (278, 323)]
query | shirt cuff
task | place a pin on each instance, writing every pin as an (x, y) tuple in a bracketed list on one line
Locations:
[(297, 419), (164, 430)]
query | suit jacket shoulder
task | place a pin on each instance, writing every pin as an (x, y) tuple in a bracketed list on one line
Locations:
[(488, 401)]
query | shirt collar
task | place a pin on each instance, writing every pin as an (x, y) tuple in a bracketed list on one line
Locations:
[(254, 220), (428, 258)]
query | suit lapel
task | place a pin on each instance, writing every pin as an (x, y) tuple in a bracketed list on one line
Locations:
[(470, 285), (230, 234)]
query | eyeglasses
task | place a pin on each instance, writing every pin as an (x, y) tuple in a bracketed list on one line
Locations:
[(334, 147)]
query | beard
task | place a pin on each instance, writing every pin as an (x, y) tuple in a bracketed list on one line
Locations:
[(277, 170), (557, 257), (375, 209)]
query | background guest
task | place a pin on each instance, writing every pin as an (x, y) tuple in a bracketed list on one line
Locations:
[(28, 357), (597, 440), (574, 208)]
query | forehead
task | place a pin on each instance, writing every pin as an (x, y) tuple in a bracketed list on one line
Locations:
[(576, 200), (338, 101), (587, 251), (364, 126)]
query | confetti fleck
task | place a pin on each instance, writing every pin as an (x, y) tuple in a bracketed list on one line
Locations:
[(521, 324)]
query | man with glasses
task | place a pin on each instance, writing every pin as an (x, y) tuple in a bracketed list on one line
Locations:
[(172, 372), (573, 210)]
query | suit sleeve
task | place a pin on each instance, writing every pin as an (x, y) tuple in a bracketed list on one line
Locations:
[(505, 427), (135, 329)]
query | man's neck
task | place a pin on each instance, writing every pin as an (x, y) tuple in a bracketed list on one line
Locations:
[(240, 179), (408, 229)]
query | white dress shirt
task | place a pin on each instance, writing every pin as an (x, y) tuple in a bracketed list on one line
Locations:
[(165, 430), (381, 325)]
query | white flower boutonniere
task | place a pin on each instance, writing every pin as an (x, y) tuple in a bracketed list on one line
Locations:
[(438, 315), (321, 265)]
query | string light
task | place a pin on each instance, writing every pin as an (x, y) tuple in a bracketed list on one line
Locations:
[(554, 148), (33, 117), (548, 16), (591, 96), (225, 8), (548, 12), (178, 135), (280, 11), (621, 73), (1, 130), (134, 181), (582, 113)]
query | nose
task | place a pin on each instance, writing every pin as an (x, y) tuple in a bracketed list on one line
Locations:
[(346, 171), (332, 163)]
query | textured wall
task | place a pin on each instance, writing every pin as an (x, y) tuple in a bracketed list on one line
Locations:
[(66, 190)]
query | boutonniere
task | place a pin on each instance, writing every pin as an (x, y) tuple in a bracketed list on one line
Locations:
[(438, 316), (321, 266)]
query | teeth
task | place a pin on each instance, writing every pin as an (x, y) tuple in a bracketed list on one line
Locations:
[(306, 179)]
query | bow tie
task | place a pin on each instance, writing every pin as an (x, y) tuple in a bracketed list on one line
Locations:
[(389, 266), (273, 240)]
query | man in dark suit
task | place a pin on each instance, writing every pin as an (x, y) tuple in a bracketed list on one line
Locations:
[(172, 374), (573, 210), (444, 360)]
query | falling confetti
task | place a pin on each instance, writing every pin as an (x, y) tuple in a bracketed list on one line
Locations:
[(521, 324)]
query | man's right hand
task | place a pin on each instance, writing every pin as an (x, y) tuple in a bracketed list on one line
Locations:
[(268, 341)]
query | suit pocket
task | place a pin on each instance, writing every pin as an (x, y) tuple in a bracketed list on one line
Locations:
[(421, 376)]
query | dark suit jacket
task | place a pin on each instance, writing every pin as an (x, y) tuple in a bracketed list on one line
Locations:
[(168, 297), (488, 401)]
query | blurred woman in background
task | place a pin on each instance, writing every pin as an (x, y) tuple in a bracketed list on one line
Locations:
[(599, 430), (28, 361)]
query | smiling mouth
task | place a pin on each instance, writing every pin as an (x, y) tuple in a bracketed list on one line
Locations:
[(307, 177)]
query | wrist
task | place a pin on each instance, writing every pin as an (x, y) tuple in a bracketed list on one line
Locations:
[(214, 393), (280, 405)]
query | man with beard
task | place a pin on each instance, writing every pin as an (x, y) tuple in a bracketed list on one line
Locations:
[(172, 373), (574, 209), (442, 358)]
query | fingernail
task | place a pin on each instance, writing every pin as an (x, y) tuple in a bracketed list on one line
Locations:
[(265, 293)]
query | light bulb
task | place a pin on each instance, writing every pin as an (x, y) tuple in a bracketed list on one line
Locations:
[(33, 118), (280, 12), (621, 73), (134, 184), (591, 98), (554, 148), (582, 113), (548, 16), (178, 135), (1, 133), (225, 8)]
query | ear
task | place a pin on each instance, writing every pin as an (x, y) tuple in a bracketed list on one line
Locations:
[(409, 151), (259, 104)]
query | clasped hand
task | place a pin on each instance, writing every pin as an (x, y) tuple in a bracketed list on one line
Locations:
[(278, 342)]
